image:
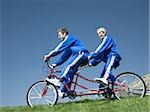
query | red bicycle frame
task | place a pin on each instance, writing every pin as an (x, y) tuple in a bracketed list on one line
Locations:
[(75, 83)]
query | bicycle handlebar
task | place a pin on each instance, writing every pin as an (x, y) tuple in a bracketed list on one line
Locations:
[(51, 67), (86, 66)]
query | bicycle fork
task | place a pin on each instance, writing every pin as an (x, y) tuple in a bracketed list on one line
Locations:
[(44, 90)]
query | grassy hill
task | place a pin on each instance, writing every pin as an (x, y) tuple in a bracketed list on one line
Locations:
[(125, 105)]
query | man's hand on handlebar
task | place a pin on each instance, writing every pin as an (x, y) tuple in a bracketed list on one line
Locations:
[(46, 58)]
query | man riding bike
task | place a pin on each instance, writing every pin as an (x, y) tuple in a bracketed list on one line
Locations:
[(73, 48)]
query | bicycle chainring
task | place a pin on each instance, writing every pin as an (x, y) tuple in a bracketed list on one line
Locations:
[(107, 93), (72, 94)]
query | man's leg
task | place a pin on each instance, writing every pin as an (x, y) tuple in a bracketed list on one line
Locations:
[(107, 71), (70, 70), (68, 79)]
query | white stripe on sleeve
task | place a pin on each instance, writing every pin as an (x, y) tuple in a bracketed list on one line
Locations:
[(100, 46), (57, 48)]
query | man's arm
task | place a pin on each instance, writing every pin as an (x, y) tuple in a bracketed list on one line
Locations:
[(95, 61), (67, 53), (61, 47), (105, 44)]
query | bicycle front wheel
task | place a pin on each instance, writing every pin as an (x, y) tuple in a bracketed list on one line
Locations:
[(41, 93), (129, 84)]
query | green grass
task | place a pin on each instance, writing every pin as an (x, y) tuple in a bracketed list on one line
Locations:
[(125, 105)]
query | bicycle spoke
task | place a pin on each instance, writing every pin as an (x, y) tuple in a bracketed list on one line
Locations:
[(38, 100), (34, 97), (49, 101), (48, 96), (136, 91), (37, 91)]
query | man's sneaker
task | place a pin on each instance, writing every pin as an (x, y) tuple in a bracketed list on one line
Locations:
[(61, 94), (55, 81), (101, 80)]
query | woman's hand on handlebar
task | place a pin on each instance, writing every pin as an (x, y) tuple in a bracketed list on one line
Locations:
[(53, 66)]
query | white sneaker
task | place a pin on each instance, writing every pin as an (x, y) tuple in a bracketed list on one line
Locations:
[(101, 80), (55, 81), (60, 94)]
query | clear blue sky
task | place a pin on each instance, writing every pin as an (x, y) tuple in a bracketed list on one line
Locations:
[(29, 32)]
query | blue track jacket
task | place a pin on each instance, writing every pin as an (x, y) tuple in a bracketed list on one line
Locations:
[(69, 46), (106, 49)]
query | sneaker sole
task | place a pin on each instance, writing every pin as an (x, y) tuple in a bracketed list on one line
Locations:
[(48, 81), (99, 81)]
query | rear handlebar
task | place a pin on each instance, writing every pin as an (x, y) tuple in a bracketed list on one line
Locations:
[(52, 68)]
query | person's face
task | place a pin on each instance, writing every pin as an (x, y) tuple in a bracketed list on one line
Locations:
[(101, 34), (61, 36)]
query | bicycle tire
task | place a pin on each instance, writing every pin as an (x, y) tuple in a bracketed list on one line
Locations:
[(34, 94), (126, 86)]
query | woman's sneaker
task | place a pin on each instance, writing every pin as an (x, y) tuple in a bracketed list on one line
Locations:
[(101, 80)]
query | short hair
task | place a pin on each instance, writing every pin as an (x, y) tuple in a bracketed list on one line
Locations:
[(63, 30), (102, 28)]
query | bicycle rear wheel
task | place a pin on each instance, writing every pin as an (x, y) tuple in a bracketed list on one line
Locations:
[(41, 93), (129, 84)]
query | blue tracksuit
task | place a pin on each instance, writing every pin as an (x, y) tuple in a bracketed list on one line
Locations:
[(73, 48), (107, 52)]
